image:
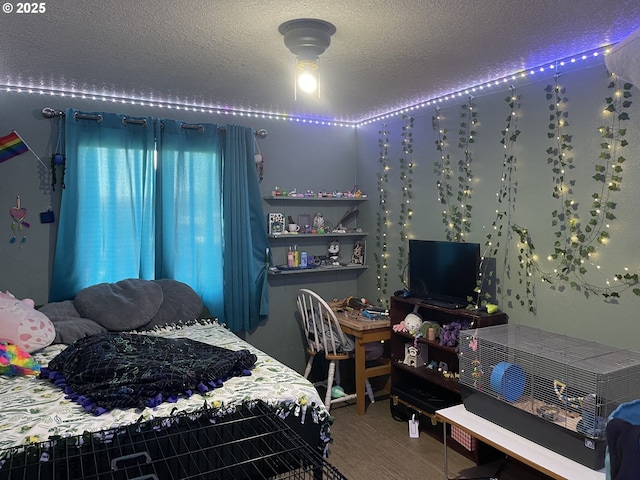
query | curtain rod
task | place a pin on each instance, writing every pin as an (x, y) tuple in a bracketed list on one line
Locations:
[(48, 112)]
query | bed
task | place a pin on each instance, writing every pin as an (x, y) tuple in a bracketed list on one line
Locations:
[(35, 410)]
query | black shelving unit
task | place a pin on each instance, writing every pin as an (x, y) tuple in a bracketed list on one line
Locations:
[(423, 390)]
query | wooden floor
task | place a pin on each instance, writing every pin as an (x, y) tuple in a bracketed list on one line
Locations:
[(375, 446)]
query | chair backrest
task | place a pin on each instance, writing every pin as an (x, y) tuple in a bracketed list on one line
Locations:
[(321, 327)]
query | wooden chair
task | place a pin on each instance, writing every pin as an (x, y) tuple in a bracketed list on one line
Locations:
[(323, 335)]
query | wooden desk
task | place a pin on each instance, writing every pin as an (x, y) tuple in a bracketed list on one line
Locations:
[(365, 331), (513, 445)]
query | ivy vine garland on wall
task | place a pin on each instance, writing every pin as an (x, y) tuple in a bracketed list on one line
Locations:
[(506, 199), (578, 232), (576, 242), (380, 254), (456, 217), (406, 178)]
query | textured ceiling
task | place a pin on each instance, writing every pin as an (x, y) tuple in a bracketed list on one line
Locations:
[(384, 56)]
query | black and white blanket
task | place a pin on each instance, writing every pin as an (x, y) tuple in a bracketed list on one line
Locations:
[(123, 370)]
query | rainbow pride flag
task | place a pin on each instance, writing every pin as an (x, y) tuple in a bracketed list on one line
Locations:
[(11, 145)]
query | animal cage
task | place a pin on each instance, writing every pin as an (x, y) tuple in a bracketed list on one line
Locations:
[(555, 390), (253, 442)]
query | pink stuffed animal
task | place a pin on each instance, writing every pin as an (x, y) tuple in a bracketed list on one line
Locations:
[(22, 325)]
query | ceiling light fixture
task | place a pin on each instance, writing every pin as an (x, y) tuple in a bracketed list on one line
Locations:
[(307, 39)]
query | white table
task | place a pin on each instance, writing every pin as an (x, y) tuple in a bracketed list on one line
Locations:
[(514, 446)]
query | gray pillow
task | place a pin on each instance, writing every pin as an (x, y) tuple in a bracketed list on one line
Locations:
[(121, 306), (59, 310), (180, 302), (71, 329), (67, 322)]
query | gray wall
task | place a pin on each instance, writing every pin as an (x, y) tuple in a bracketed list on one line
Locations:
[(320, 157)]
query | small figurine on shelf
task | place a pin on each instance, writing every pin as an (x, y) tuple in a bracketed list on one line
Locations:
[(412, 356), (334, 252), (318, 221)]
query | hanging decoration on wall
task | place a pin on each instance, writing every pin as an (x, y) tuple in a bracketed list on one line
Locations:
[(58, 159), (259, 161), (18, 222), (444, 170), (13, 145), (406, 175), (501, 231), (380, 254), (577, 239), (457, 211)]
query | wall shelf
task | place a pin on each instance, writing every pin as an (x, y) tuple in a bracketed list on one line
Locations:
[(270, 198), (293, 236), (315, 244), (318, 270)]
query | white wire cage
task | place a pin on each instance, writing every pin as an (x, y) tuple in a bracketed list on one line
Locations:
[(571, 383)]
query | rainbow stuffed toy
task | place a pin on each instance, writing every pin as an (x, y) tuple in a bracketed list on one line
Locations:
[(15, 361)]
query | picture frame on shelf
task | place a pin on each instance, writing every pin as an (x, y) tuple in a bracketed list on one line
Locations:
[(358, 254), (275, 223), (304, 220)]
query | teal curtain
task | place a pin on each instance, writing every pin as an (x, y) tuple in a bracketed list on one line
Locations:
[(190, 222), (176, 201), (106, 227), (245, 233)]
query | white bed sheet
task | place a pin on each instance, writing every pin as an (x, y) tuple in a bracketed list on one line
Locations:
[(33, 410)]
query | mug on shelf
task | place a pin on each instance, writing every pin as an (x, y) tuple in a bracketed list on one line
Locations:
[(294, 227)]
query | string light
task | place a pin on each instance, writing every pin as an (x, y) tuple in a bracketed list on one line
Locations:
[(523, 74), (172, 105), (219, 110)]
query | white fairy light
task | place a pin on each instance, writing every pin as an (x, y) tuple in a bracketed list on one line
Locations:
[(178, 105)]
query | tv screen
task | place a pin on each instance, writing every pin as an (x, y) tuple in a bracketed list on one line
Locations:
[(443, 272)]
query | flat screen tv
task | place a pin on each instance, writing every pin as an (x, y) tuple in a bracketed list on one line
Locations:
[(443, 273)]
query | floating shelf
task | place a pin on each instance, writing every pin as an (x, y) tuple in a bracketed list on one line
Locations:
[(316, 199), (291, 236), (316, 270)]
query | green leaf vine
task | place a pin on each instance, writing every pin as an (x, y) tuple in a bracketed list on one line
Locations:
[(456, 216), (527, 268), (501, 227), (577, 241), (609, 175), (380, 254), (406, 178)]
